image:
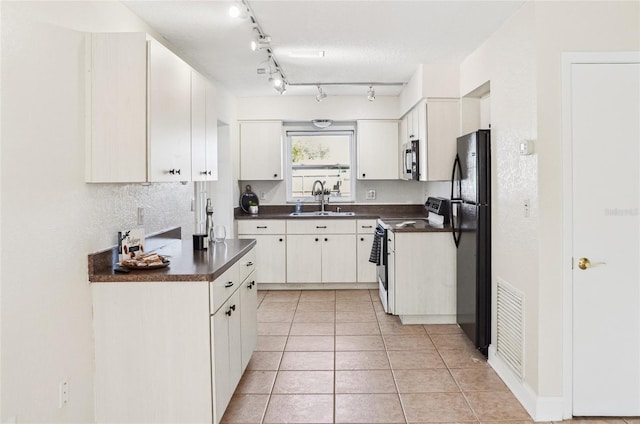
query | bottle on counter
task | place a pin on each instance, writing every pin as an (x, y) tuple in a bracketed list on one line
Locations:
[(298, 206)]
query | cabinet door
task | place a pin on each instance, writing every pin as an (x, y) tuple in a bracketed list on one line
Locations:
[(222, 389), (304, 258), (338, 258), (169, 115), (116, 148), (378, 150), (248, 318), (235, 340), (198, 127), (271, 253), (366, 269), (443, 128), (211, 133), (261, 150)]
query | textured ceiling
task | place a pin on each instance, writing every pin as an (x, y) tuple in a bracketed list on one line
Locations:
[(365, 41)]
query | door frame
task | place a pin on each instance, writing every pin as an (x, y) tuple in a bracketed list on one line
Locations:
[(569, 59)]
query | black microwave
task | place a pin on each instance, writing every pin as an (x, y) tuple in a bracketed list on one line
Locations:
[(410, 167)]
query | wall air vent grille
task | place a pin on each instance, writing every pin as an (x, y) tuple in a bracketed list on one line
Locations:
[(510, 327)]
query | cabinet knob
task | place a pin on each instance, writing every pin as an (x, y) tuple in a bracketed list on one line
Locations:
[(316, 238), (174, 171), (275, 175), (229, 284), (209, 172), (326, 239), (249, 263), (232, 307), (204, 172), (250, 285), (361, 238), (280, 240), (261, 226), (364, 175), (321, 226), (228, 313)]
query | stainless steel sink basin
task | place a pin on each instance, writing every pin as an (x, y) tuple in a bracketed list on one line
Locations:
[(319, 214)]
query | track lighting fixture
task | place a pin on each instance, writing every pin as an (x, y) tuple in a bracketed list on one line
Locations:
[(238, 10), (321, 95), (262, 41), (276, 80), (371, 94)]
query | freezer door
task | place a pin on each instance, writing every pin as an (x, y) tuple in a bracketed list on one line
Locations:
[(467, 154), (466, 287)]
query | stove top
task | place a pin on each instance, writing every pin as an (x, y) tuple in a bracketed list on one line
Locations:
[(409, 224)]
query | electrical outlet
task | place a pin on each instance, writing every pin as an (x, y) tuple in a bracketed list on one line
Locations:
[(63, 392), (140, 216), (263, 196), (527, 208), (371, 195)]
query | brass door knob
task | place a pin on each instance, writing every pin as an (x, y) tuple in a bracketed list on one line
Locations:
[(584, 263)]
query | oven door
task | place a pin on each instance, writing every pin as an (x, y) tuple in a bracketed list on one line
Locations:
[(383, 271)]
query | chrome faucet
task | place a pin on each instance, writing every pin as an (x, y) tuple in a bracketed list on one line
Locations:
[(313, 191)]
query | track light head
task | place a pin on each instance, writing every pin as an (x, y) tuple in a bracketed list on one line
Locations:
[(276, 80), (238, 10), (282, 88), (321, 95), (371, 94), (261, 42)]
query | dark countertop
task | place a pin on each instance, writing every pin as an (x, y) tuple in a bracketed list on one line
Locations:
[(359, 212), (186, 264)]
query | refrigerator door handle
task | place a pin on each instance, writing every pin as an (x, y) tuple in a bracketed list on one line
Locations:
[(456, 231), (456, 166)]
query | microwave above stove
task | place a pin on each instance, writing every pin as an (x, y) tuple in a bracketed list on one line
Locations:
[(410, 160)]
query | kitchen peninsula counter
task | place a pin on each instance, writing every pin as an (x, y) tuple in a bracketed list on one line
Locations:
[(186, 264)]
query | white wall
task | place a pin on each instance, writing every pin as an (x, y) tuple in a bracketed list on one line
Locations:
[(565, 26), (522, 63), (338, 108), (51, 219), (507, 60)]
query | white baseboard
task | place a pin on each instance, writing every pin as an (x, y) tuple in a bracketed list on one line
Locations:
[(428, 319), (540, 408)]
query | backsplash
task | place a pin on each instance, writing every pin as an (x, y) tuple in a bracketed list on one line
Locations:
[(387, 192)]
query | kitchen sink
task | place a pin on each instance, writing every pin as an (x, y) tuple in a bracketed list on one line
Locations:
[(326, 214)]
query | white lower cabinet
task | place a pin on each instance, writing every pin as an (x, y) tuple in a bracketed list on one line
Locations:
[(321, 251), (424, 267), (227, 350), (271, 247), (366, 270), (168, 352), (248, 323)]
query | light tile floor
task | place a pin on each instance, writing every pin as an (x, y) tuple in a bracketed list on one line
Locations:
[(334, 356)]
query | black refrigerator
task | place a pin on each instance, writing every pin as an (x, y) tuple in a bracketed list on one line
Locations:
[(471, 205)]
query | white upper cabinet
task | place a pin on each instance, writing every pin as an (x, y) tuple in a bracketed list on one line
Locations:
[(436, 124), (169, 115), (144, 113), (378, 149), (204, 130), (116, 148), (261, 147), (443, 128)]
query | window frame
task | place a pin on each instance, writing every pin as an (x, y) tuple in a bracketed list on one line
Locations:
[(348, 129)]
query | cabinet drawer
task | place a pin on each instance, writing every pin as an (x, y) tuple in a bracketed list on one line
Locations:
[(223, 287), (262, 226), (247, 264), (321, 226), (366, 226)]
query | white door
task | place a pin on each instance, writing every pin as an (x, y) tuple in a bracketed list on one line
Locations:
[(605, 136)]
